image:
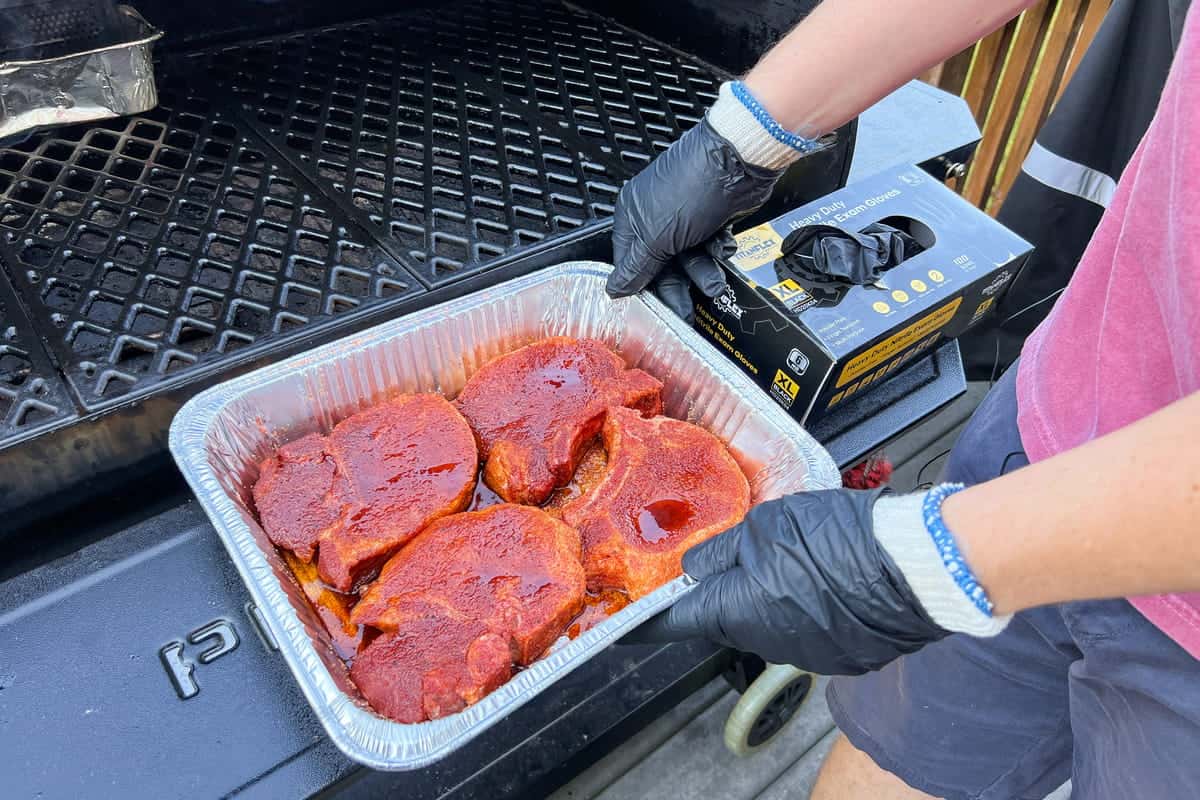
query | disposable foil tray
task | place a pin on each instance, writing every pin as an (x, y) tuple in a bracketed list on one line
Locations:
[(221, 435), (96, 71)]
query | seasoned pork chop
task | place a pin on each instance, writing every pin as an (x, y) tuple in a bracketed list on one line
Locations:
[(535, 409), (295, 496), (425, 672), (667, 486), (473, 596), (356, 496)]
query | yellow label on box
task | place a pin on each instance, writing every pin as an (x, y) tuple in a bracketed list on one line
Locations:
[(756, 246), (785, 385), (786, 289), (881, 352), (983, 308)]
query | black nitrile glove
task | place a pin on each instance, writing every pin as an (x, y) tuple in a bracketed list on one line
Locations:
[(827, 253), (803, 580), (697, 266), (676, 203)]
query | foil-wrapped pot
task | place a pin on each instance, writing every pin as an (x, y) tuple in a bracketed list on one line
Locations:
[(106, 80)]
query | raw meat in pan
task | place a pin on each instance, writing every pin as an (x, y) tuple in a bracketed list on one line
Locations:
[(535, 409), (667, 486), (424, 672), (471, 597), (356, 496), (295, 496)]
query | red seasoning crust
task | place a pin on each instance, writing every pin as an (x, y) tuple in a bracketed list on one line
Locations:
[(668, 485), (472, 597), (356, 496), (535, 410), (466, 599)]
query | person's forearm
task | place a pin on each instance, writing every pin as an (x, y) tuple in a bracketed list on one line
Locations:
[(1117, 517), (848, 54)]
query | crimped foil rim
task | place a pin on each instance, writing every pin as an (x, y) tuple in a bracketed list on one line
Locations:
[(149, 35)]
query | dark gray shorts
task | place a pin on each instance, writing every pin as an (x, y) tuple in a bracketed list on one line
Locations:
[(1090, 692)]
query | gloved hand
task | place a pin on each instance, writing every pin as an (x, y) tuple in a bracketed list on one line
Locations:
[(722, 168), (805, 580), (676, 203), (698, 266)]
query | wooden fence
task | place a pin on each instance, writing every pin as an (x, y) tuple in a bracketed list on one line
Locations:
[(1011, 80)]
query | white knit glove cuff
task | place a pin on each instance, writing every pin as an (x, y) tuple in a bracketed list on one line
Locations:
[(758, 138), (900, 529)]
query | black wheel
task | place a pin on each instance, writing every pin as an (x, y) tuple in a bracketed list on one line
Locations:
[(766, 707)]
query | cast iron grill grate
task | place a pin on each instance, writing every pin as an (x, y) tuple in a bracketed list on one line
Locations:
[(472, 131), (454, 178), (624, 94), (32, 395), (297, 179), (152, 246)]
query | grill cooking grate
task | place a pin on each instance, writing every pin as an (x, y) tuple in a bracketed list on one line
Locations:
[(624, 94), (32, 394), (160, 243), (295, 179), (473, 131)]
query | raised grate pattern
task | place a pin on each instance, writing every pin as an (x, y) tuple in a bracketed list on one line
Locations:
[(472, 131), (624, 94), (32, 395), (453, 177), (152, 246), (420, 148)]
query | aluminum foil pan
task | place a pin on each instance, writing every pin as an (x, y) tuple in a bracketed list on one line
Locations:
[(95, 83), (222, 434)]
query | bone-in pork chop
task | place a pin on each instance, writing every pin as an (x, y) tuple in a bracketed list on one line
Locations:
[(667, 486), (356, 496), (535, 409), (473, 596), (295, 496)]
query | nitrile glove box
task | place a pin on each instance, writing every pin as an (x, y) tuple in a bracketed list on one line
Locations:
[(813, 347)]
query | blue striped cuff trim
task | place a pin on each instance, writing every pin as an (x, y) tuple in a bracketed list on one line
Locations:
[(947, 548), (777, 131)]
